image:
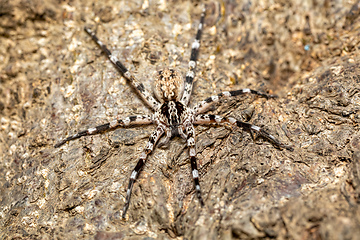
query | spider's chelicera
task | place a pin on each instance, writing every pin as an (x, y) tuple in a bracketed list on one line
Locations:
[(172, 115)]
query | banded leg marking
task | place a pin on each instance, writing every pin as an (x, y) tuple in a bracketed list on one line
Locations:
[(209, 119), (153, 139), (166, 139), (192, 64), (204, 105), (190, 131), (128, 121), (135, 83)]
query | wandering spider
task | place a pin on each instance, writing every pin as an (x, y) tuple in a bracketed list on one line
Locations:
[(172, 115)]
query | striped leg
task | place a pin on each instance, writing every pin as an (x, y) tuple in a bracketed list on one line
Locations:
[(166, 139), (190, 132), (192, 64), (204, 105), (153, 139), (135, 83), (209, 119), (128, 121)]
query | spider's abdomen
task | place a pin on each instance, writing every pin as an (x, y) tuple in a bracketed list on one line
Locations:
[(172, 113), (168, 85)]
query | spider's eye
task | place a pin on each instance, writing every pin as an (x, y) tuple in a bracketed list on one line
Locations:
[(168, 85)]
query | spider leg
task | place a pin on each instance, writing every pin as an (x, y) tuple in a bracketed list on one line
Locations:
[(167, 138), (190, 132), (209, 119), (134, 82), (204, 105), (192, 63), (128, 121), (153, 139)]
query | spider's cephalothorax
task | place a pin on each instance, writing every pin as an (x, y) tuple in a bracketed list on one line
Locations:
[(171, 112), (168, 88), (168, 85)]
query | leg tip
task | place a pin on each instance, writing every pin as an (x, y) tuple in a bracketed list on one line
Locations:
[(287, 147), (201, 201), (291, 149), (59, 144), (123, 215), (272, 96)]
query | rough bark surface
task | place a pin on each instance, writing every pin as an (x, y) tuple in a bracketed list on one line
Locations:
[(55, 81)]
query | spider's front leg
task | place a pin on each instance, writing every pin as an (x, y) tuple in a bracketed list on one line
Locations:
[(153, 139), (211, 119), (128, 121), (190, 75), (190, 133), (140, 88), (204, 105)]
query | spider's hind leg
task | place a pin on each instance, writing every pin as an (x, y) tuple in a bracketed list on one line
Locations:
[(153, 139), (190, 132), (215, 119), (163, 143)]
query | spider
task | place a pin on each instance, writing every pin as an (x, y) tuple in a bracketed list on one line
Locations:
[(172, 115)]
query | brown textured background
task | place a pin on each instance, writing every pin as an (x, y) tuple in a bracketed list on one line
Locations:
[(55, 81)]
